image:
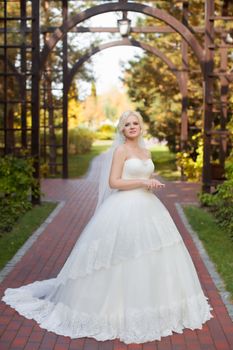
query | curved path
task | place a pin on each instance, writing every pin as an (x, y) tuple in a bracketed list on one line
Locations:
[(47, 255)]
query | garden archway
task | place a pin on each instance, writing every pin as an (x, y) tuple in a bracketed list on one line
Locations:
[(68, 24), (31, 62), (171, 21)]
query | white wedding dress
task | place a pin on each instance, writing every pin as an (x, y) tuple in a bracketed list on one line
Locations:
[(129, 275)]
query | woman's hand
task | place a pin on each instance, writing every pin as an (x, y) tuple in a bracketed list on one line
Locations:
[(152, 183)]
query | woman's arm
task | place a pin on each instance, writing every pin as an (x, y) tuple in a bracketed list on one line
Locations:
[(158, 184)]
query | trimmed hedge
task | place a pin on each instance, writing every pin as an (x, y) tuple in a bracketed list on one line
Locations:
[(16, 181), (80, 140), (106, 132), (220, 203)]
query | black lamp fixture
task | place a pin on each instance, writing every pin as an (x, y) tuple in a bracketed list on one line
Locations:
[(124, 26)]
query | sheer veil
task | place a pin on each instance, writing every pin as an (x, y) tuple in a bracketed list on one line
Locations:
[(104, 188)]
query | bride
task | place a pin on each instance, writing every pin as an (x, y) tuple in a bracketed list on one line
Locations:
[(129, 275)]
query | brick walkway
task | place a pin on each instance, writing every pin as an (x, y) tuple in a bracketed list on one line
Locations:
[(46, 257)]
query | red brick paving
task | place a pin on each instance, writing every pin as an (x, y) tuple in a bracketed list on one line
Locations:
[(16, 332)]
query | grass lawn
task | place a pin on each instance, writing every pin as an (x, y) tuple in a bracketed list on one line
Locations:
[(79, 164), (11, 241), (217, 242), (165, 162)]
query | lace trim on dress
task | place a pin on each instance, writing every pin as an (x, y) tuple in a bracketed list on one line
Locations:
[(89, 260), (134, 326)]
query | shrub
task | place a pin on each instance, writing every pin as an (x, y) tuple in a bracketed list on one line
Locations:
[(106, 132), (16, 183), (192, 168), (80, 140), (221, 202), (44, 169)]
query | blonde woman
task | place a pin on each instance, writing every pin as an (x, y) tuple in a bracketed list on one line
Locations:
[(129, 275)]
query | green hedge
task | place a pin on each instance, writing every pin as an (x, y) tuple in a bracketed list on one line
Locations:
[(80, 140), (221, 202), (106, 132), (190, 164), (16, 181)]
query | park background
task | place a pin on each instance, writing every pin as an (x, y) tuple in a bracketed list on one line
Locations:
[(110, 82)]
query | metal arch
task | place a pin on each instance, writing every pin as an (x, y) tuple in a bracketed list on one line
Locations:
[(162, 15), (126, 42)]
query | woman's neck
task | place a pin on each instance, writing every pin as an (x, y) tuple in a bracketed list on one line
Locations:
[(132, 143)]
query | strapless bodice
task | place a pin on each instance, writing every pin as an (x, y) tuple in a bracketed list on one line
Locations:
[(136, 168)]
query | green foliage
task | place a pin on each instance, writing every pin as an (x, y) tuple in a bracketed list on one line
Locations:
[(110, 110), (221, 202), (191, 161), (16, 183), (216, 240), (155, 91), (44, 169), (105, 132), (165, 162), (80, 140), (80, 163), (207, 199), (22, 230)]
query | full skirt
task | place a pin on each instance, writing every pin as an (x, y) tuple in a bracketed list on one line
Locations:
[(129, 276)]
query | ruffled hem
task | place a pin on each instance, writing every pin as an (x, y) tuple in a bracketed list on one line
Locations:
[(133, 326), (127, 279)]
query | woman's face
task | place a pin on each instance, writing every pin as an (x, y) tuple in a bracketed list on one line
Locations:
[(132, 128)]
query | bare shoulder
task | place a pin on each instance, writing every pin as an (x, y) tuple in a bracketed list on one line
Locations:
[(120, 152)]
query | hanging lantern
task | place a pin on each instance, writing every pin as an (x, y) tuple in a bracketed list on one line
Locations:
[(124, 26)]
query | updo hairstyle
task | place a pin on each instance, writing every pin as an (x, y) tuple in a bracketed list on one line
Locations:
[(123, 118)]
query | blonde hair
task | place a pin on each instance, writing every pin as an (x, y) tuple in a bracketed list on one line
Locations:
[(123, 118)]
